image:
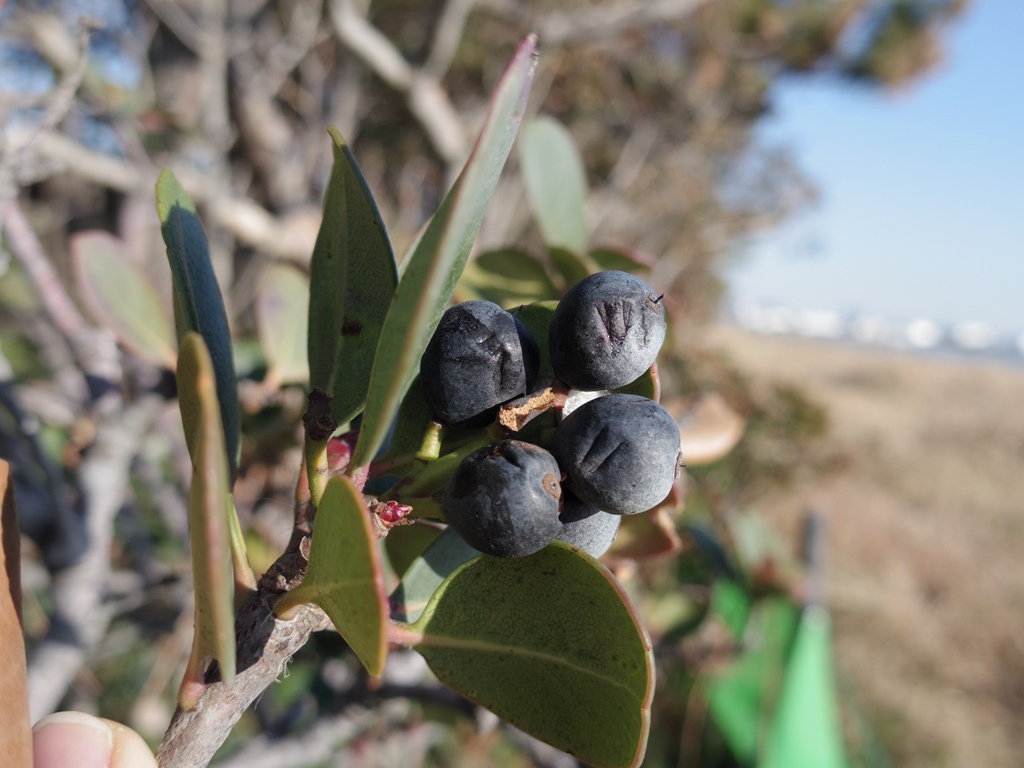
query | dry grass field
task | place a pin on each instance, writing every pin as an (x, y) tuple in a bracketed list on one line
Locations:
[(925, 524)]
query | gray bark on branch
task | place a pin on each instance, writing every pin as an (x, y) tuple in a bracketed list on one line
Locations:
[(80, 616), (54, 153), (265, 644), (426, 97)]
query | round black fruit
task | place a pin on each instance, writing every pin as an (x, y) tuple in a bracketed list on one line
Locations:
[(619, 453), (504, 499), (606, 331), (474, 361), (585, 526)]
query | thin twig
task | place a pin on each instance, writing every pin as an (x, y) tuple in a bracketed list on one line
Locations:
[(58, 104), (95, 351), (295, 45), (813, 557), (268, 134), (29, 251), (213, 62), (215, 119), (447, 36), (425, 96), (176, 19), (370, 45), (243, 218), (265, 645), (63, 96), (319, 743), (80, 618), (611, 19), (59, 401)]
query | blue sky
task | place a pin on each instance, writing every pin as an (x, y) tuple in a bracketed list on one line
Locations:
[(922, 190)]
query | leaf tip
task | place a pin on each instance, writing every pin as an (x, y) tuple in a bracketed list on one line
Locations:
[(170, 194), (336, 136), (528, 48), (166, 176), (167, 185)]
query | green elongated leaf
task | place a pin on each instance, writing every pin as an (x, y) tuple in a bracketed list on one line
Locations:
[(352, 279), (414, 416), (556, 183), (741, 698), (404, 543), (442, 556), (412, 424), (245, 579), (508, 277), (249, 358), (623, 259), (806, 732), (198, 304), (282, 310), (552, 644), (122, 296), (570, 267), (428, 478), (537, 319), (431, 272), (344, 576), (209, 511)]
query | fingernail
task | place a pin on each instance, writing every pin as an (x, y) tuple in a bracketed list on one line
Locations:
[(71, 739)]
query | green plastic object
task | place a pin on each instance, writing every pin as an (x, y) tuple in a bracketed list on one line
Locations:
[(806, 731), (742, 696)]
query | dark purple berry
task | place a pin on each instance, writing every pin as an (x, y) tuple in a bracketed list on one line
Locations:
[(504, 499), (619, 453), (474, 361), (587, 527), (606, 331)]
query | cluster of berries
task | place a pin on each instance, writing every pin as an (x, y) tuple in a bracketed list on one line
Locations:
[(617, 454)]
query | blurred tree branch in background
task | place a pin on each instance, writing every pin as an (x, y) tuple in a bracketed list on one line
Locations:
[(662, 97)]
